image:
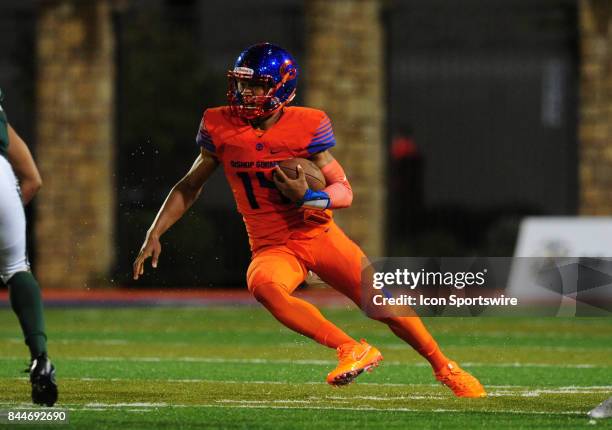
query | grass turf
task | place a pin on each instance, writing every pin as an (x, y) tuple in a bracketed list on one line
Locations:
[(238, 368)]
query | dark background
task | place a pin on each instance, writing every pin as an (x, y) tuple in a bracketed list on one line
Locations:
[(485, 91)]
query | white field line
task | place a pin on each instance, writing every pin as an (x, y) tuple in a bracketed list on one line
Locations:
[(543, 365), (73, 341), (263, 404), (135, 404), (311, 362), (382, 399), (265, 401), (403, 346), (301, 345), (493, 390)]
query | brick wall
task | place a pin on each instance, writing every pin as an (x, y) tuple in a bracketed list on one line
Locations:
[(344, 71), (596, 107), (75, 208)]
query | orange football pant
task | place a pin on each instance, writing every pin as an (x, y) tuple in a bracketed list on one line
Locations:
[(276, 271)]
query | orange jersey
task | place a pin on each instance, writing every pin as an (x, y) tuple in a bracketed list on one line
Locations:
[(248, 157)]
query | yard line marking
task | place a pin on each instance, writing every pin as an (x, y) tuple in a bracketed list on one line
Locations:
[(378, 398), (72, 341), (543, 365), (571, 389), (102, 406), (261, 401), (400, 346), (130, 404), (194, 360), (316, 362), (537, 392), (301, 345)]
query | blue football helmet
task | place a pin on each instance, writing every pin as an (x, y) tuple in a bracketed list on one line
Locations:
[(265, 65)]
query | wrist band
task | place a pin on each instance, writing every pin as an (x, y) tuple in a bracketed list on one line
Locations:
[(314, 200)]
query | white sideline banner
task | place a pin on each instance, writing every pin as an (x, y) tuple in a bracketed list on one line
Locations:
[(553, 237), (565, 237)]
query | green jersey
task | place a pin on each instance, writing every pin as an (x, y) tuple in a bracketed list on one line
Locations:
[(4, 140)]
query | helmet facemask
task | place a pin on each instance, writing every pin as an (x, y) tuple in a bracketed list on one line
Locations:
[(249, 103), (247, 100)]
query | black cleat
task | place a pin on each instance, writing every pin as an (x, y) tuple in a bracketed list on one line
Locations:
[(42, 377)]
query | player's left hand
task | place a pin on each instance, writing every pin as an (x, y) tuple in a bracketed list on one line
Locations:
[(293, 189), (150, 248)]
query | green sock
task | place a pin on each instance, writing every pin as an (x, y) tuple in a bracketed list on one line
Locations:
[(26, 301)]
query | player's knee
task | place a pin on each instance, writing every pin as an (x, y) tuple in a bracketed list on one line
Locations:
[(13, 259), (8, 273), (269, 294)]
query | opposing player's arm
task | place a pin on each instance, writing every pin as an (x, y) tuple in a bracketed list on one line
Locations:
[(180, 198), (24, 166)]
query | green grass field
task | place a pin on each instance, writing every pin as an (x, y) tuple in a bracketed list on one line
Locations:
[(237, 367)]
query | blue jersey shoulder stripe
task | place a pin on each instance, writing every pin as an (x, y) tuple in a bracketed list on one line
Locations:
[(324, 122), (324, 137), (313, 148), (204, 139), (204, 133), (210, 147), (323, 130)]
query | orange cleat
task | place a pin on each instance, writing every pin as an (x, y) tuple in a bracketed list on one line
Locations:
[(461, 382), (353, 359)]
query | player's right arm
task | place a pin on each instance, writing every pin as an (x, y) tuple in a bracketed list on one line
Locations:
[(24, 166), (181, 197)]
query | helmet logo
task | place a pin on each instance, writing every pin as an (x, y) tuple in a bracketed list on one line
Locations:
[(287, 70), (244, 72)]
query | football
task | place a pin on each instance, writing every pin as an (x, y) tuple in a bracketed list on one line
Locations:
[(314, 177)]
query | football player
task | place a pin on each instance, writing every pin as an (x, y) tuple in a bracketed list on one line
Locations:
[(19, 182), (290, 226)]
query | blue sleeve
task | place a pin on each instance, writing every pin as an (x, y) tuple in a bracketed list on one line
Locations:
[(203, 139), (323, 137)]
